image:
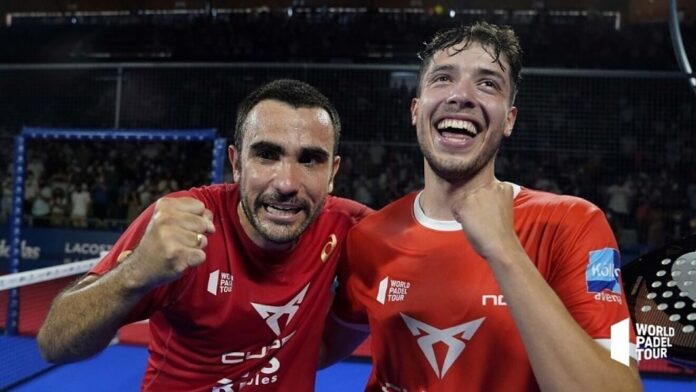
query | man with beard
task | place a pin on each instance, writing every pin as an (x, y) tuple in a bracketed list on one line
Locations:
[(235, 278), (474, 284)]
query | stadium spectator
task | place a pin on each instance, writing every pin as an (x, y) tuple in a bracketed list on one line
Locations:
[(80, 201), (6, 203), (41, 206), (59, 207), (100, 200), (31, 190)]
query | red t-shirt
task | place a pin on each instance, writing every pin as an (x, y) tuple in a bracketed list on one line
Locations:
[(435, 311), (246, 317)]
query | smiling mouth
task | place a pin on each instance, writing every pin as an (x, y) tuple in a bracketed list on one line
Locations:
[(456, 129), (281, 210)]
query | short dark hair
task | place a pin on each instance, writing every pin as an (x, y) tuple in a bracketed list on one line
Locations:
[(499, 39), (289, 91)]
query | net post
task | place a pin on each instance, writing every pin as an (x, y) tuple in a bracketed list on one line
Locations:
[(16, 230)]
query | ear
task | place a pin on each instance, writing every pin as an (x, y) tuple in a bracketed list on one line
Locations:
[(414, 111), (336, 164), (234, 158), (510, 121)]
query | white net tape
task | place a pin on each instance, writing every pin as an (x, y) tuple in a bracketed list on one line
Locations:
[(20, 279)]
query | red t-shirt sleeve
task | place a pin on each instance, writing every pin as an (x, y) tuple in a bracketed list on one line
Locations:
[(347, 262), (157, 298), (586, 271), (356, 211), (346, 307), (128, 241)]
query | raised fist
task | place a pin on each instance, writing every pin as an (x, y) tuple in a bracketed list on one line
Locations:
[(173, 241), (486, 216)]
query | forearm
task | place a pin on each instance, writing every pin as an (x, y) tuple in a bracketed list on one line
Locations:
[(562, 355), (83, 320), (169, 237)]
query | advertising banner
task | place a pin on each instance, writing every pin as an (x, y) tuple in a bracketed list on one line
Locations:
[(45, 247)]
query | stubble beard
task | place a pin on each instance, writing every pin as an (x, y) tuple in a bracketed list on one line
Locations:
[(451, 169), (278, 234)]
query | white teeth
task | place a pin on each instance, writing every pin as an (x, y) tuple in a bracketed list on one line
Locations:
[(457, 124), (281, 208)]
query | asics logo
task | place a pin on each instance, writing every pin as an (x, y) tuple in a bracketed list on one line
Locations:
[(328, 248), (452, 337), (272, 314)]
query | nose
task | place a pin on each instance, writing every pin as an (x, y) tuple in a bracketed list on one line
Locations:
[(461, 95), (287, 178)]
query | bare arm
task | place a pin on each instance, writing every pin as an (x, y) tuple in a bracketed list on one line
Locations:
[(83, 319), (562, 355)]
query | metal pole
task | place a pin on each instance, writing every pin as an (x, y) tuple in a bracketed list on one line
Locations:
[(678, 44), (119, 93), (15, 236)]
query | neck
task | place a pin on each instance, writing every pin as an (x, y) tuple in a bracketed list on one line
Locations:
[(439, 193)]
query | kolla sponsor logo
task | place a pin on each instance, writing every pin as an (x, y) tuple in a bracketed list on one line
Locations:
[(26, 252), (602, 275)]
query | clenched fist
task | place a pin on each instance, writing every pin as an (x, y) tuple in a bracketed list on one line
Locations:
[(173, 241), (486, 216)]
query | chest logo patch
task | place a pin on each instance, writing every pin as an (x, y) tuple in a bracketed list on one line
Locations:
[(272, 314), (392, 290), (452, 337), (220, 282)]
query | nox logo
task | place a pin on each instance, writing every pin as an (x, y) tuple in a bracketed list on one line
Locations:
[(452, 337), (273, 313), (496, 300)]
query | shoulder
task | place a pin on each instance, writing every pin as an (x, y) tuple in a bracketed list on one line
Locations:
[(394, 216), (347, 208), (569, 217), (550, 203)]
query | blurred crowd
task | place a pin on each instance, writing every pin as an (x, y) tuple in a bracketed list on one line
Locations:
[(626, 145), (317, 35), (102, 185)]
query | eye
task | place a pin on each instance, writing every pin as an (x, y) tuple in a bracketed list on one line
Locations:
[(489, 83), (267, 155), (308, 161), (312, 158), (441, 78)]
